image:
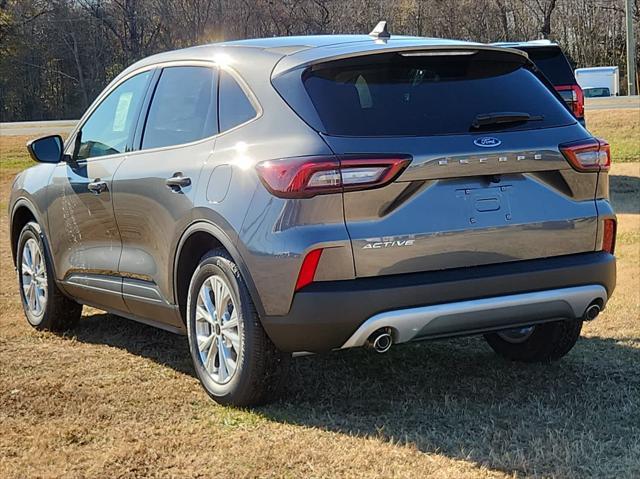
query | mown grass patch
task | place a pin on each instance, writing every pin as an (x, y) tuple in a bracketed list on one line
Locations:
[(13, 154), (621, 128)]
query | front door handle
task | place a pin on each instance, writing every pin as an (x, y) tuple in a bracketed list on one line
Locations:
[(177, 181), (97, 186)]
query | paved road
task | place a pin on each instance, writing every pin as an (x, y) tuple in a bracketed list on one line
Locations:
[(41, 128), (612, 103), (37, 128)]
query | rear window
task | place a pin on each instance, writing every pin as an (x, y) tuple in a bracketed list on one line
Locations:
[(415, 95), (183, 108), (552, 62)]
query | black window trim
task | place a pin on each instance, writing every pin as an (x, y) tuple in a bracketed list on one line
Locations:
[(144, 111)]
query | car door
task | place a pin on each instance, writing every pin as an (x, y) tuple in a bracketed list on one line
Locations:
[(84, 234), (154, 188)]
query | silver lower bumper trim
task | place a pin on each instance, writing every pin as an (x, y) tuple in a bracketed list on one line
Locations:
[(480, 314)]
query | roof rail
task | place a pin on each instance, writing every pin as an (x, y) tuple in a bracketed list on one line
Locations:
[(541, 41), (380, 31)]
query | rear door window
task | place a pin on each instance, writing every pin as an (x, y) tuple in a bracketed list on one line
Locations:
[(413, 95), (235, 106), (183, 108)]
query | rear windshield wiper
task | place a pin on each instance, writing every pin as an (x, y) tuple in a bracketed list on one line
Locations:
[(486, 119)]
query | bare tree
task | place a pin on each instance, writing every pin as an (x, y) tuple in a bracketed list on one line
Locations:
[(57, 55), (543, 11)]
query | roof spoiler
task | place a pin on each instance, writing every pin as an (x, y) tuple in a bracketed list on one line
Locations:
[(411, 47)]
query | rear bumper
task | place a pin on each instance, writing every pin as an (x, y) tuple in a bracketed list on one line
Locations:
[(481, 315), (328, 315)]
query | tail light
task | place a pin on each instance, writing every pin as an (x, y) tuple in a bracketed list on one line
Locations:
[(307, 177), (588, 155), (574, 97), (308, 268), (609, 236)]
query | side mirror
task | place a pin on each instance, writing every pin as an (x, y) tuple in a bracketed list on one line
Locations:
[(47, 149)]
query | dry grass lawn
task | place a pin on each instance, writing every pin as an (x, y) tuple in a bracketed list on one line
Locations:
[(116, 398), (621, 128)]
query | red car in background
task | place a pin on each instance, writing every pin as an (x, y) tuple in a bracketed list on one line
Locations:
[(551, 60)]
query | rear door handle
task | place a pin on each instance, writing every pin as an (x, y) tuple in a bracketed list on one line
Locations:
[(97, 186), (177, 181)]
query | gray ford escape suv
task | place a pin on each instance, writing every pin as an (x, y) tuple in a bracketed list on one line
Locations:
[(307, 194)]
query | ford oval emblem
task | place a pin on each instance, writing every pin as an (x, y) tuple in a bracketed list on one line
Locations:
[(487, 142)]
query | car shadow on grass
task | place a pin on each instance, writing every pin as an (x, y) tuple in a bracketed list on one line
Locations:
[(160, 346), (577, 417)]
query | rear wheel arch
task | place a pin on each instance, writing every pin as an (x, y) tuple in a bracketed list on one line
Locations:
[(195, 242)]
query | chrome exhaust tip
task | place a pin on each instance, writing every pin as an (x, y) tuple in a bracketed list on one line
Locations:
[(380, 341), (592, 312)]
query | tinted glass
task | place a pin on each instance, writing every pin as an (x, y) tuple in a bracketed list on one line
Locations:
[(596, 92), (235, 107), (552, 62), (108, 129), (427, 95), (183, 108)]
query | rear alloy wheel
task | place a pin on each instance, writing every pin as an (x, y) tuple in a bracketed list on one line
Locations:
[(43, 303), (217, 329), (541, 343), (233, 357)]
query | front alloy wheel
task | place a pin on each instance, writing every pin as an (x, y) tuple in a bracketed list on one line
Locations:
[(516, 336), (43, 303), (33, 279)]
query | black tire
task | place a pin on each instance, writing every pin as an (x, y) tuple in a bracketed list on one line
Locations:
[(260, 368), (547, 342), (59, 313)]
